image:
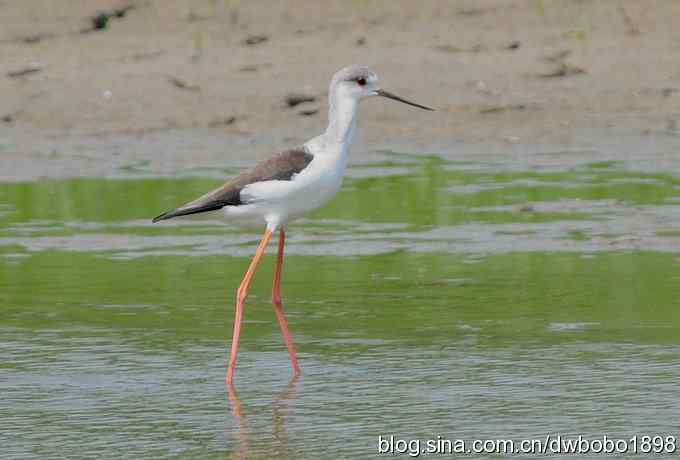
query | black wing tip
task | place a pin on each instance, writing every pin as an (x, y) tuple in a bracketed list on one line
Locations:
[(188, 211), (164, 216)]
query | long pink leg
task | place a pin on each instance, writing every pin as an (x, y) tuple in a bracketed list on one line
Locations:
[(278, 306), (241, 295)]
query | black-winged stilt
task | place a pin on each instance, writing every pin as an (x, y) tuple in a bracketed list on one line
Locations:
[(289, 185)]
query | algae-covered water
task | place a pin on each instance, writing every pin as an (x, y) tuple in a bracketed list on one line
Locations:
[(431, 298)]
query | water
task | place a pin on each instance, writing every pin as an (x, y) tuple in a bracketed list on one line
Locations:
[(431, 298)]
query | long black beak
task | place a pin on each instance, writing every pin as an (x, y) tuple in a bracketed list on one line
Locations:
[(388, 95)]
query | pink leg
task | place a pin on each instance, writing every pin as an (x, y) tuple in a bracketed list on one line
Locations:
[(241, 295), (278, 306)]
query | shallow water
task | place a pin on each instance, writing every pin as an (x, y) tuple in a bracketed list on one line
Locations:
[(430, 298)]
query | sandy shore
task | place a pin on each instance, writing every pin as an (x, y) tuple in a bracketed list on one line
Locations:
[(501, 71)]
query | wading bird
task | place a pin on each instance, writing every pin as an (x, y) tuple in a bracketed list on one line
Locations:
[(289, 185)]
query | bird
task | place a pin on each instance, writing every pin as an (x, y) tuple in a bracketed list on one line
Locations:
[(289, 185)]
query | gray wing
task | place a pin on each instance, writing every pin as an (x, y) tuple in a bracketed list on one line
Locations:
[(282, 166)]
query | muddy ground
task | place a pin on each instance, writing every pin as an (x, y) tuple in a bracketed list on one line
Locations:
[(90, 87)]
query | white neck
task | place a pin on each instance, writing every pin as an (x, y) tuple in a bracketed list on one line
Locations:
[(341, 119)]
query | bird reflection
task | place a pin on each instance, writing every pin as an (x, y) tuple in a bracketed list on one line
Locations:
[(280, 409), (242, 432)]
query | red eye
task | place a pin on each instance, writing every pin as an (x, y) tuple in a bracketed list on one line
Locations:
[(361, 81)]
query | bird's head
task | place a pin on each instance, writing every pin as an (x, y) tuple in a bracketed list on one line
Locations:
[(358, 82)]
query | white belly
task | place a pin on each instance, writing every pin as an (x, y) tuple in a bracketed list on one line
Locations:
[(278, 202)]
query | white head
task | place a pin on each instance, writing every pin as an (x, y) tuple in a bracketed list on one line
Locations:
[(356, 82)]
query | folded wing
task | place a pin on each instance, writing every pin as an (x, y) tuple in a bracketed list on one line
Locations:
[(282, 166)]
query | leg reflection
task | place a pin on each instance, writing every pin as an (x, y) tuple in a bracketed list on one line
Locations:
[(242, 433), (281, 408)]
